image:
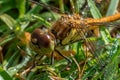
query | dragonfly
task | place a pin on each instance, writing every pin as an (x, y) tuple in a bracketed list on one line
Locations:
[(66, 30)]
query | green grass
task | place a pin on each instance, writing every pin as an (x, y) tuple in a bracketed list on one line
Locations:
[(20, 16)]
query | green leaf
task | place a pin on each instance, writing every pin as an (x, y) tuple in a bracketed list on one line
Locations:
[(6, 39), (21, 7), (112, 7), (6, 5), (15, 69), (4, 75), (42, 20), (93, 9), (8, 20)]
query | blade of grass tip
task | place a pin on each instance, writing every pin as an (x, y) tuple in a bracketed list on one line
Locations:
[(8, 20), (112, 7), (42, 20)]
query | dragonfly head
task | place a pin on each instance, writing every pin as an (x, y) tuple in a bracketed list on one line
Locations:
[(42, 40)]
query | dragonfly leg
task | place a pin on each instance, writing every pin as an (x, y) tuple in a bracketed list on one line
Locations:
[(39, 61), (69, 61), (52, 58)]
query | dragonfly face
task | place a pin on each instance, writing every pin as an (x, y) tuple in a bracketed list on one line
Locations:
[(42, 41)]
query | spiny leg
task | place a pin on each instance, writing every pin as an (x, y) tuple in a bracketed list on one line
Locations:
[(52, 58), (69, 61)]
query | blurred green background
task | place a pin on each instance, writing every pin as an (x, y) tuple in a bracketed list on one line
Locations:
[(18, 18)]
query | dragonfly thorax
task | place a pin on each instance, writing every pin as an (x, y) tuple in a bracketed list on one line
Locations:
[(62, 26), (65, 28)]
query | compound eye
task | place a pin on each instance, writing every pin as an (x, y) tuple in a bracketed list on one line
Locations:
[(35, 36)]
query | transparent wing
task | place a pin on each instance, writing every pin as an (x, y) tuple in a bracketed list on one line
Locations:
[(98, 49)]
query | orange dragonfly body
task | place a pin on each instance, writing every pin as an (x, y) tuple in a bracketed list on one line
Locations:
[(66, 30)]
